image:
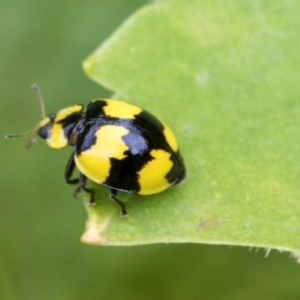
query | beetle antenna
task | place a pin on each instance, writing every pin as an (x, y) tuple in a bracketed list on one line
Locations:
[(13, 135), (37, 90), (29, 143), (35, 87)]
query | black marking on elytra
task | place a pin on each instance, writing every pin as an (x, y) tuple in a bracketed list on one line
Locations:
[(152, 130), (86, 138), (177, 168), (123, 174), (95, 109), (135, 141)]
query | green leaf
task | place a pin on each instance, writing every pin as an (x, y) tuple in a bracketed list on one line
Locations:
[(225, 77)]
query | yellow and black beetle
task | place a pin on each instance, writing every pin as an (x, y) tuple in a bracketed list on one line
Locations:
[(116, 144)]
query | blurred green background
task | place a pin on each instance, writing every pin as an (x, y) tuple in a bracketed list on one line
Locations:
[(41, 256)]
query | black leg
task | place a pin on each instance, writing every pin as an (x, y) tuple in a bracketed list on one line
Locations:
[(77, 191), (69, 171), (113, 196), (82, 182)]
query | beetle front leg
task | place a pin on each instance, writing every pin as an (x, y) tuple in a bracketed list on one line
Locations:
[(69, 171)]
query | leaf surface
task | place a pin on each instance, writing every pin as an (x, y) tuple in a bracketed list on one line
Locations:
[(225, 77)]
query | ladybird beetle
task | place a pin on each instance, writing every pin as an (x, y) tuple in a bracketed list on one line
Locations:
[(115, 144)]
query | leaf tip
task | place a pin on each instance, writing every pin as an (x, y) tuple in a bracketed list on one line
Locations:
[(87, 66), (94, 231)]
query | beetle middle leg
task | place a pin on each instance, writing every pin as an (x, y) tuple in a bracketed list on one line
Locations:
[(113, 196), (82, 185)]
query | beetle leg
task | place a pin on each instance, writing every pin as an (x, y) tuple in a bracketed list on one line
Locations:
[(82, 182), (77, 191), (82, 186), (69, 171), (113, 196), (68, 174)]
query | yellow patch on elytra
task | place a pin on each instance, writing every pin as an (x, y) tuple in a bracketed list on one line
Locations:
[(170, 138), (120, 109), (95, 161), (152, 176)]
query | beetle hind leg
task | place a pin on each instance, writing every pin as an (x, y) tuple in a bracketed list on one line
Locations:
[(113, 196)]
